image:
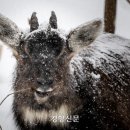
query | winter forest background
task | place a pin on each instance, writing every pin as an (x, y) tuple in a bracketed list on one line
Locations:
[(70, 13)]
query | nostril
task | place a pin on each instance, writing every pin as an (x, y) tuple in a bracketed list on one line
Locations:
[(50, 81), (40, 81)]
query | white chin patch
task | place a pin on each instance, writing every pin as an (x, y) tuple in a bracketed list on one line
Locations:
[(42, 96), (40, 100), (32, 117)]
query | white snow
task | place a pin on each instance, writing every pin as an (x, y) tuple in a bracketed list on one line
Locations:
[(104, 44), (95, 76), (103, 51), (61, 32), (44, 27)]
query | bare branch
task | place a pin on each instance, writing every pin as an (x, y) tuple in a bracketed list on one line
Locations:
[(22, 90), (0, 128), (128, 1)]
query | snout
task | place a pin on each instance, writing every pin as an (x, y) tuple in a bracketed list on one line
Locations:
[(44, 87), (41, 91), (48, 81)]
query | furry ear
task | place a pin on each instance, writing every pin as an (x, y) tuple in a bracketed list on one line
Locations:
[(9, 32), (84, 34)]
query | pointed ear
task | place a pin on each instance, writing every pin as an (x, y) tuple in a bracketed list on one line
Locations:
[(84, 34), (9, 32)]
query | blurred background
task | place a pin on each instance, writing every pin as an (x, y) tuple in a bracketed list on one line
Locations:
[(70, 14)]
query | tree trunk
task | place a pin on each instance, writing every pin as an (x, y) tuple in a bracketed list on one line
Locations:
[(110, 15), (128, 1)]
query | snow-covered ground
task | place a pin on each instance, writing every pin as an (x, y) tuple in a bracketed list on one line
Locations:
[(70, 14)]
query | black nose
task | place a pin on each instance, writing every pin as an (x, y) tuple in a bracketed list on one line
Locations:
[(48, 81)]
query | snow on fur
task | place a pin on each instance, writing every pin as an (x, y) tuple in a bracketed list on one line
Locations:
[(107, 55), (44, 27)]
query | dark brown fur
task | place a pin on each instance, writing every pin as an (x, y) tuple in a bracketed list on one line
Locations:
[(65, 78)]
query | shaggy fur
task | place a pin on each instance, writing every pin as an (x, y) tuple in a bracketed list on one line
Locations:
[(90, 82)]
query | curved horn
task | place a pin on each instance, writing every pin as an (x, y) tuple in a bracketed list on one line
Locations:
[(53, 20), (9, 32), (33, 22)]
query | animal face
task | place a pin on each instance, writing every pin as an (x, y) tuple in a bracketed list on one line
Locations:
[(40, 65), (43, 57), (40, 68), (43, 68)]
